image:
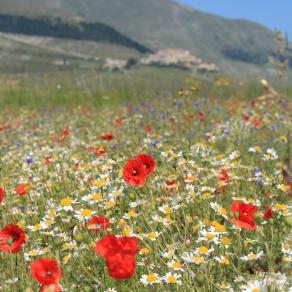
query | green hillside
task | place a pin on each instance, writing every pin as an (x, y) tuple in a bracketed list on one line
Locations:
[(161, 24), (238, 47)]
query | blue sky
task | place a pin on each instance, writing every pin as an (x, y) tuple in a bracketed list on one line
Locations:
[(275, 14)]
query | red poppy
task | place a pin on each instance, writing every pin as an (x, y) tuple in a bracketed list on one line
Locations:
[(46, 271), (21, 189), (110, 244), (107, 136), (11, 238), (120, 266), (134, 173), (245, 215), (48, 159), (268, 213), (245, 117), (147, 161), (1, 194), (147, 129), (51, 288), (56, 139), (189, 118), (118, 122), (100, 151), (96, 224), (5, 127), (65, 133), (171, 185), (119, 254), (257, 123), (223, 176), (200, 116)]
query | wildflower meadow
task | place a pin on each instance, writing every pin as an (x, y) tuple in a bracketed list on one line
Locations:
[(176, 192)]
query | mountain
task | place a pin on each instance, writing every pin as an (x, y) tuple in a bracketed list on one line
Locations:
[(160, 24), (55, 27)]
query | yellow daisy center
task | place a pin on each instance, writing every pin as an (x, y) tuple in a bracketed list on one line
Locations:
[(203, 250), (225, 241), (209, 236), (132, 213), (151, 278), (66, 202), (176, 265), (252, 256), (224, 261), (96, 197), (152, 235), (37, 227), (171, 279), (198, 260), (85, 213)]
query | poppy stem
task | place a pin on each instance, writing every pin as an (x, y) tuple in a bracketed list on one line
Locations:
[(88, 273)]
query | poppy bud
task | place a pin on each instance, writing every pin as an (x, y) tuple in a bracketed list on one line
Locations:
[(78, 237), (188, 242), (196, 228), (58, 242), (200, 279), (132, 196)]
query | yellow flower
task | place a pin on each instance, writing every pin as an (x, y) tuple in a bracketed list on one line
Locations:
[(152, 235), (280, 207), (126, 232), (97, 197), (100, 183), (145, 250), (224, 261), (85, 213), (209, 236), (66, 202), (203, 250), (132, 213), (198, 260), (225, 241), (151, 278)]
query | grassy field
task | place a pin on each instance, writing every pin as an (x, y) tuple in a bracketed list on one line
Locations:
[(214, 215)]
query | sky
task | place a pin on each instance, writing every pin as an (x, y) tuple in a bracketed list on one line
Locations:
[(274, 14)]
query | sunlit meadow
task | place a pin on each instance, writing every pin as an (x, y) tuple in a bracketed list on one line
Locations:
[(208, 210)]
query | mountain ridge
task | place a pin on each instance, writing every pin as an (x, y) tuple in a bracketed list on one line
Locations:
[(160, 24)]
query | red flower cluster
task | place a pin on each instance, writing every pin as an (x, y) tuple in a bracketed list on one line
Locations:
[(47, 272), (11, 238), (1, 194), (119, 254), (136, 170), (98, 151), (96, 224), (245, 215)]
